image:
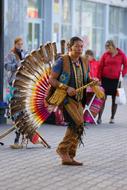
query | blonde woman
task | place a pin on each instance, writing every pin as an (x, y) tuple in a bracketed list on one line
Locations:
[(111, 63)]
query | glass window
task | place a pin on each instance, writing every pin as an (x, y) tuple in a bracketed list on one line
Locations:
[(30, 31), (99, 15), (121, 20), (66, 13), (36, 35), (117, 26), (90, 24), (66, 31), (78, 17), (125, 46), (56, 7), (66, 19), (98, 41), (113, 20), (36, 19), (56, 32), (117, 19), (34, 9)]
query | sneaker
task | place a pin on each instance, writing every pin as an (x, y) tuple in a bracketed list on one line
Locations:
[(99, 121), (111, 121)]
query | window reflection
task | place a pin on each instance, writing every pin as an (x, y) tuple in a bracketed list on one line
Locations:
[(66, 19), (34, 9), (90, 24), (66, 13), (116, 20)]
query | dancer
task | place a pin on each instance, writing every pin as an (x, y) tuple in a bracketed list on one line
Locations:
[(71, 72)]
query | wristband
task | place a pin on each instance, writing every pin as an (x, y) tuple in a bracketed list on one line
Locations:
[(63, 86)]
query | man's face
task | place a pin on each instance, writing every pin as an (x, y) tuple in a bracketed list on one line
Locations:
[(19, 45), (77, 48)]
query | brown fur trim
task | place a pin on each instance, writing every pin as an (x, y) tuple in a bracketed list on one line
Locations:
[(66, 63), (85, 64)]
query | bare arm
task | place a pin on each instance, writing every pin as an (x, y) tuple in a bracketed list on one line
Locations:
[(53, 79)]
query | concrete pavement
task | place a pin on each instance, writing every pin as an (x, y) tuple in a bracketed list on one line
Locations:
[(104, 157)]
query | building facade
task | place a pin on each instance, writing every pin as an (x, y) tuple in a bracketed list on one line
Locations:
[(95, 21), (28, 19), (38, 21)]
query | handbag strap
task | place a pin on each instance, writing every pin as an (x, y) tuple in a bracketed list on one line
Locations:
[(120, 78)]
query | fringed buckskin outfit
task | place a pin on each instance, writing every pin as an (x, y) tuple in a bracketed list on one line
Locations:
[(73, 75)]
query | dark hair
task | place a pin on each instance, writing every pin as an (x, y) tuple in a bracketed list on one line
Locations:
[(110, 43), (89, 52), (73, 40)]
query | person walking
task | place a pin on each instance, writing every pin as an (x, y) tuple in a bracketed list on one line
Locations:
[(111, 64)]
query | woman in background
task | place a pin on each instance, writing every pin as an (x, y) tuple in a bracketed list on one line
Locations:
[(12, 62), (111, 63)]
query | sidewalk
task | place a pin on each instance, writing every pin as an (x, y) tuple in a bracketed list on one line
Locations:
[(104, 157), (36, 168)]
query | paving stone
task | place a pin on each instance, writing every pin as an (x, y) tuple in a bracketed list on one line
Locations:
[(36, 168)]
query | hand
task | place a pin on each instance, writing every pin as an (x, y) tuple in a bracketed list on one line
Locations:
[(51, 108), (96, 82), (71, 91)]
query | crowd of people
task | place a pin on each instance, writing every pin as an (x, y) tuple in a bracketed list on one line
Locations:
[(73, 73)]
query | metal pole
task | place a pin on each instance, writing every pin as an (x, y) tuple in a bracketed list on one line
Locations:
[(1, 47), (2, 109)]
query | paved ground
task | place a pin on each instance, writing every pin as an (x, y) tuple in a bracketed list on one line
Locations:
[(104, 157)]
